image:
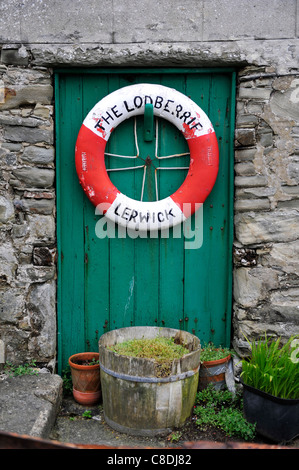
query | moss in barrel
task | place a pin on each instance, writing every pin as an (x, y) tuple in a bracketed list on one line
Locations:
[(137, 400)]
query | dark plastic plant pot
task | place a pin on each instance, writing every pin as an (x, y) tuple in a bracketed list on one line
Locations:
[(275, 418)]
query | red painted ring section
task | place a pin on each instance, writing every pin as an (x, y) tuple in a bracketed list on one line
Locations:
[(91, 168)]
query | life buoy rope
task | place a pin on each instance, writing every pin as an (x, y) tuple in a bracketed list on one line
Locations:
[(168, 104)]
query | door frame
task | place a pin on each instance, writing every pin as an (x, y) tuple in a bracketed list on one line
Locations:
[(136, 70)]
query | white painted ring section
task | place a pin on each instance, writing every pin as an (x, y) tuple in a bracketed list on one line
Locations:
[(130, 101), (142, 216)]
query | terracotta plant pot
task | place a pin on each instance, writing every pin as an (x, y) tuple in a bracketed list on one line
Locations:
[(213, 372), (86, 378)]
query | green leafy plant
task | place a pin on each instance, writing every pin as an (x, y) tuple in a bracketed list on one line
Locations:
[(210, 352), (23, 369), (87, 414), (67, 383), (272, 367), (94, 362), (175, 436), (223, 410)]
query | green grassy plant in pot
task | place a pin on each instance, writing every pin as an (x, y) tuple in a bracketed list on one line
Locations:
[(214, 363), (85, 371), (270, 379)]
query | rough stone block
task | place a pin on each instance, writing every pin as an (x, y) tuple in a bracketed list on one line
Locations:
[(6, 210), (255, 192), (10, 15), (253, 329), (32, 136), (67, 22), (247, 289), (41, 228), (8, 120), (138, 21), (255, 108), (34, 177), (245, 137), (240, 19), (290, 204), (25, 254), (245, 154), (255, 93), (31, 274), (19, 230), (246, 120), (265, 139), (266, 227), (250, 181), (39, 206), (285, 103), (43, 112), (42, 310), (252, 286), (286, 303), (284, 256), (252, 204), (12, 302), (293, 169), (16, 56), (23, 95), (8, 263), (38, 194), (2, 353), (245, 169), (291, 190), (42, 155)]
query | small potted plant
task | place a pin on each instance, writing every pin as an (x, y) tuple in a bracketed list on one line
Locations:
[(270, 378), (214, 362), (85, 372)]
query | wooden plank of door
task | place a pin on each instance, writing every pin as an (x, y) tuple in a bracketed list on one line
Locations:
[(211, 263), (96, 286), (70, 215), (197, 261), (122, 271), (220, 272), (172, 249)]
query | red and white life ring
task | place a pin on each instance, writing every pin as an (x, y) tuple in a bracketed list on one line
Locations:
[(169, 104)]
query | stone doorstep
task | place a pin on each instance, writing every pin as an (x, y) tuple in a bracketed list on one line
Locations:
[(30, 404)]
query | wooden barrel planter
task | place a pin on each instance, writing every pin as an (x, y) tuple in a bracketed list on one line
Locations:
[(135, 400), (213, 372)]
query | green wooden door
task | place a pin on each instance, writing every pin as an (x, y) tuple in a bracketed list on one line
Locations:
[(112, 281)]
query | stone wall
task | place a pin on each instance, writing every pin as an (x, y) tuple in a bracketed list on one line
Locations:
[(266, 248), (259, 38), (27, 215)]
